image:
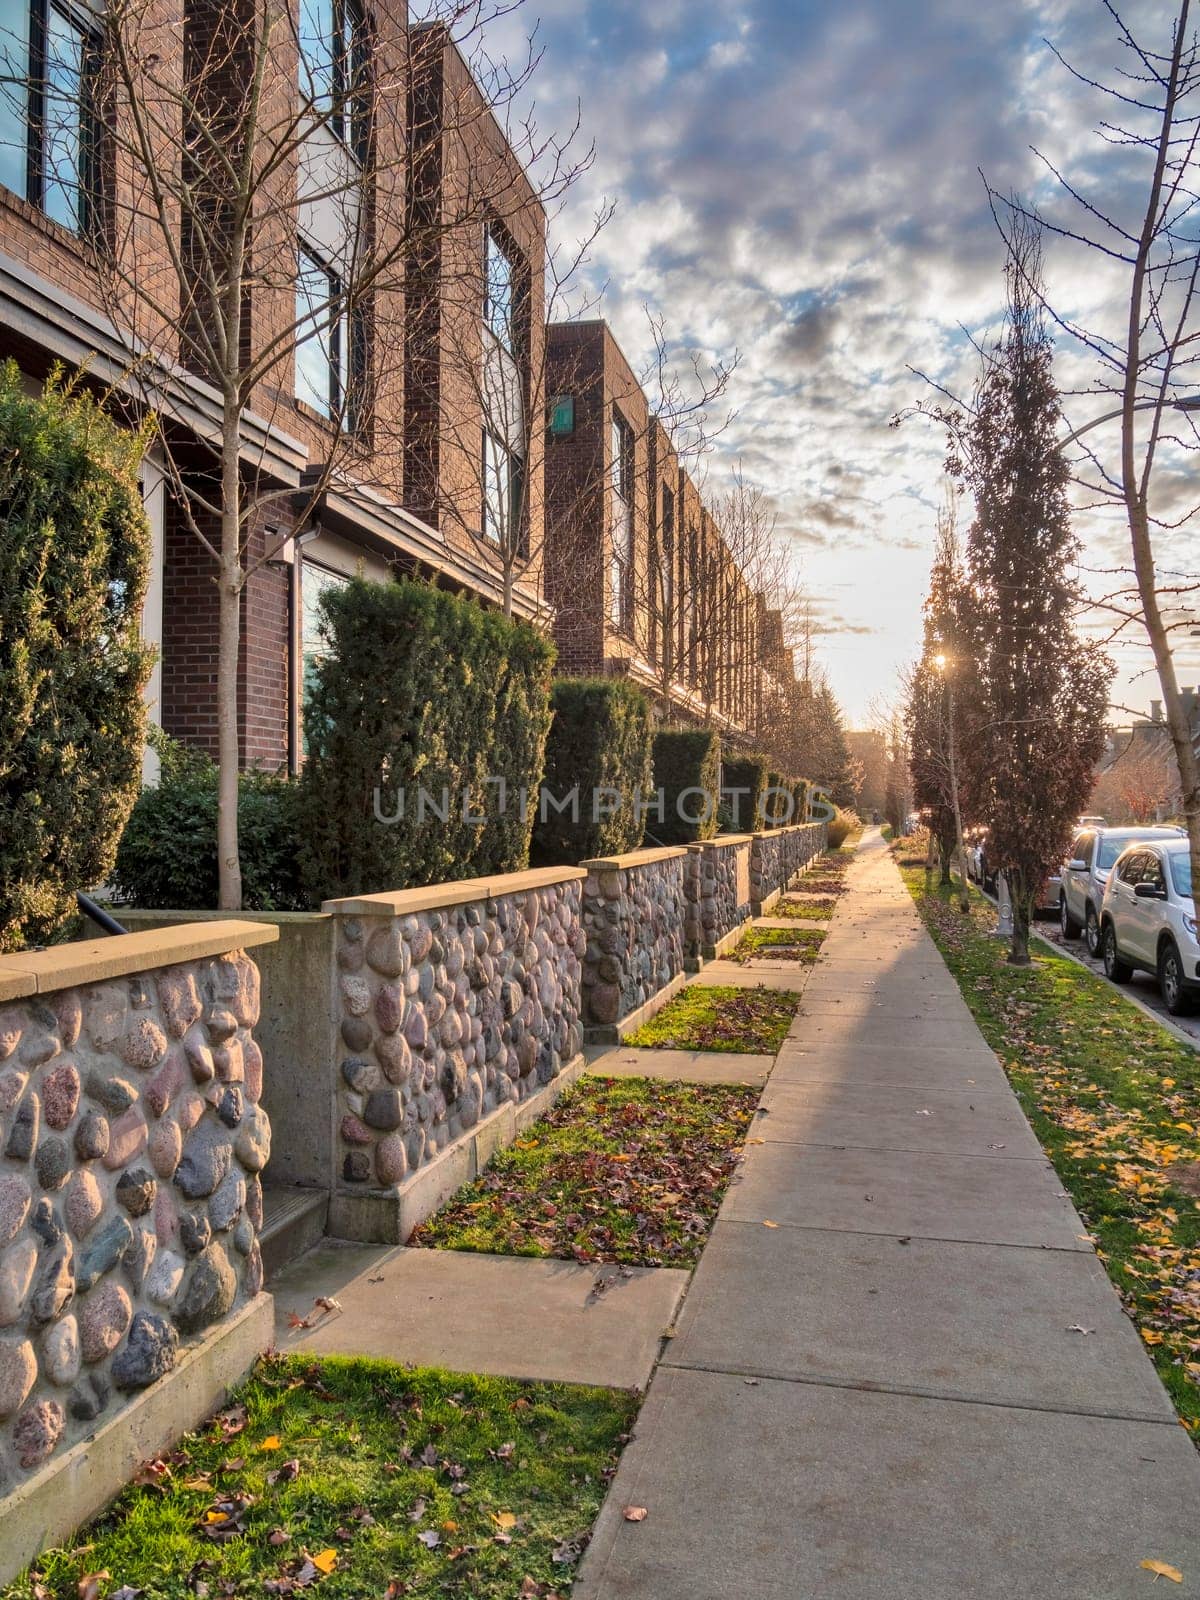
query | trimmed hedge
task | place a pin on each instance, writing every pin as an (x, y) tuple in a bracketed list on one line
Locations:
[(743, 772), (777, 807), (167, 858), (685, 758), (421, 698), (800, 800), (600, 738), (74, 556)]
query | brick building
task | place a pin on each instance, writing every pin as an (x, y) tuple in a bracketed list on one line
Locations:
[(370, 445), (642, 582)]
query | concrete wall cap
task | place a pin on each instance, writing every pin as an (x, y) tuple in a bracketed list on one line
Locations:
[(465, 891), (724, 839), (635, 858), (65, 966)]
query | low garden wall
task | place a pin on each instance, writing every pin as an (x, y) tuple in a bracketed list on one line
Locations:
[(778, 856), (718, 894), (458, 1014), (130, 1204), (634, 911)]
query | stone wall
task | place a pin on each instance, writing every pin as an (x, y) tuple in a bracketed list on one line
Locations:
[(778, 856), (451, 1003), (718, 891), (130, 1200), (634, 911)]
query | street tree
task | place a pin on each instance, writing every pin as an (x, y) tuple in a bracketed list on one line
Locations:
[(1040, 690)]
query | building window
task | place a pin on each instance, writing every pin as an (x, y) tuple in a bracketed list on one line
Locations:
[(666, 558), (333, 66), (315, 582), (328, 343), (620, 598), (503, 491), (47, 119), (498, 291)]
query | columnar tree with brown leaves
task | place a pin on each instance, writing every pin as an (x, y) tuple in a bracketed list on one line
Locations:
[(1034, 717)]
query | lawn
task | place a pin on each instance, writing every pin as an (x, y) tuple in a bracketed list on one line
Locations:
[(623, 1169), (361, 1480), (805, 910), (779, 944), (1115, 1101), (720, 1017)]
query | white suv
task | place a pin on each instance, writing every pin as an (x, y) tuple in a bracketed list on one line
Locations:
[(1148, 920), (1085, 872)]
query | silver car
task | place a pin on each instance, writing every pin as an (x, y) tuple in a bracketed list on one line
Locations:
[(1148, 921), (1085, 873)]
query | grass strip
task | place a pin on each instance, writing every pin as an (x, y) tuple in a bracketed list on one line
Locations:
[(1115, 1101), (630, 1170), (805, 910), (720, 1017), (358, 1478), (779, 944)]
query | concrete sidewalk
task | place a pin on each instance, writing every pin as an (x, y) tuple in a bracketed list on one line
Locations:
[(881, 1387)]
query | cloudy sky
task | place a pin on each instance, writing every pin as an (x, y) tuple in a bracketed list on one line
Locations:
[(797, 180)]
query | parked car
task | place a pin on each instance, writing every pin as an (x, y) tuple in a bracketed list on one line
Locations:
[(1092, 822), (1085, 872), (1148, 920)]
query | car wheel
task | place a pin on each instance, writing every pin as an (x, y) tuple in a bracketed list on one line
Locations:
[(1170, 980), (1091, 930), (1115, 969), (1068, 924)]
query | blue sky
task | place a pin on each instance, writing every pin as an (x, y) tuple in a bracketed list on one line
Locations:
[(797, 180)]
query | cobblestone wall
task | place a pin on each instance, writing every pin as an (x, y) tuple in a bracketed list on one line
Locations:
[(446, 1014), (130, 1200), (718, 891), (780, 855), (634, 912)]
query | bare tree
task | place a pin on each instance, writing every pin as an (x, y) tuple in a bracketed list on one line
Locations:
[(1149, 367), (247, 204)]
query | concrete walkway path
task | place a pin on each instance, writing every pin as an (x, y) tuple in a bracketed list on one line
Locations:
[(901, 1372)]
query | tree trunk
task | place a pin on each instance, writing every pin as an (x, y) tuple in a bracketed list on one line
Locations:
[(229, 864), (1021, 902)]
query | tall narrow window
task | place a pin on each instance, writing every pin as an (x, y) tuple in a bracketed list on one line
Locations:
[(621, 522), (498, 291), (47, 119), (323, 337), (332, 38), (503, 489), (666, 578)]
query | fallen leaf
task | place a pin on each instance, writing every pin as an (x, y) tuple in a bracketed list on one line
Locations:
[(89, 1585), (634, 1513), (277, 1536), (504, 1519), (1160, 1569), (770, 1224), (430, 1538), (324, 1561), (1077, 1328), (271, 1442)]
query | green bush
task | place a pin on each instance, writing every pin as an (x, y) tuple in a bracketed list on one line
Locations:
[(800, 800), (747, 772), (777, 806), (419, 690), (167, 858), (599, 738), (74, 556), (685, 758)]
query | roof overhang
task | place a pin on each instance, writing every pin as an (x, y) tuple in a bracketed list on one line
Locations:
[(42, 315)]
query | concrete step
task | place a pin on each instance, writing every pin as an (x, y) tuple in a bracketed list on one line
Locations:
[(293, 1221)]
